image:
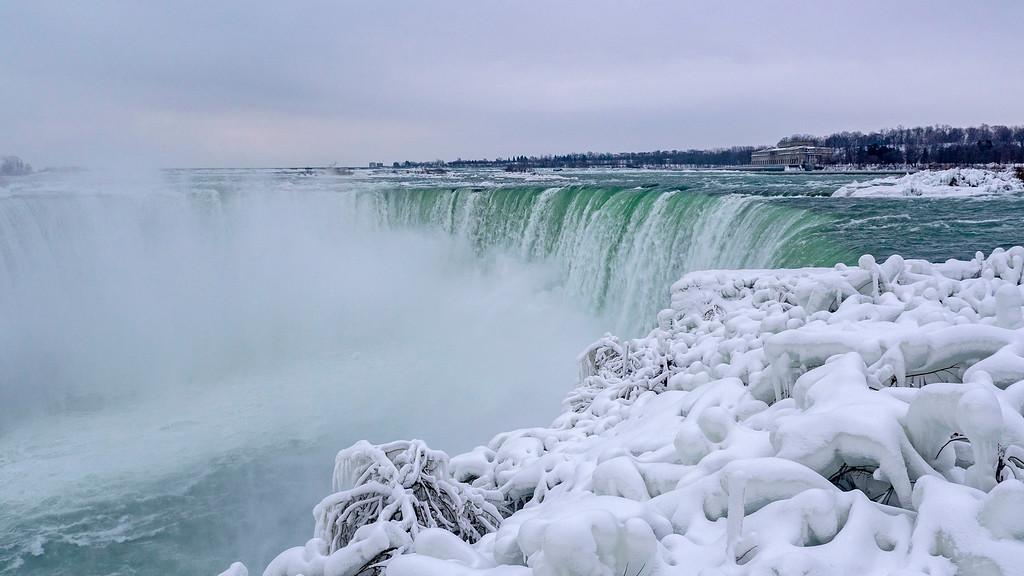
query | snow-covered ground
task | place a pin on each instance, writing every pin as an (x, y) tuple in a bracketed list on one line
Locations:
[(849, 420), (942, 183)]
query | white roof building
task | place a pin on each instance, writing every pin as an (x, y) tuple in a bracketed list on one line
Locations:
[(791, 154)]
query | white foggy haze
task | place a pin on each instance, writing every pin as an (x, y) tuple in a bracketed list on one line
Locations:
[(158, 335), (119, 291)]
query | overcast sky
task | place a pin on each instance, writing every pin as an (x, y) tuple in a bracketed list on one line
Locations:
[(232, 83)]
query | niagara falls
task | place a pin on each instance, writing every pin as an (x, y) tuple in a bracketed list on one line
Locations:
[(198, 342), (511, 289)]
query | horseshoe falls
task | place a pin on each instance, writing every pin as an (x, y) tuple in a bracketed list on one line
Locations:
[(616, 249), (182, 353)]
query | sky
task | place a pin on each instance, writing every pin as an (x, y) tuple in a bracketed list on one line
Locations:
[(265, 84)]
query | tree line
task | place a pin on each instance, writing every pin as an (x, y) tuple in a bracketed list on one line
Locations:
[(734, 156), (923, 146), (940, 144)]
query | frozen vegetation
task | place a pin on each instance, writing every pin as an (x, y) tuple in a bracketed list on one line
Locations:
[(940, 183), (850, 420)]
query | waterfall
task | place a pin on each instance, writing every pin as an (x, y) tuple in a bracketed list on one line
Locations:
[(176, 351), (619, 249)]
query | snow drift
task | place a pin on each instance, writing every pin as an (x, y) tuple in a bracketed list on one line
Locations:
[(852, 420), (955, 182)]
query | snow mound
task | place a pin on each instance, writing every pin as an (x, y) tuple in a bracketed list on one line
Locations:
[(852, 420), (942, 183)]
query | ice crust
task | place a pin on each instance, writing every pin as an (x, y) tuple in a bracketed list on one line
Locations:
[(938, 183), (855, 420)]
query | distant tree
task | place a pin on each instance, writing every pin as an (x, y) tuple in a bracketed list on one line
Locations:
[(13, 166)]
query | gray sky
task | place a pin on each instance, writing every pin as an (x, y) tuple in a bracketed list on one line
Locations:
[(256, 83)]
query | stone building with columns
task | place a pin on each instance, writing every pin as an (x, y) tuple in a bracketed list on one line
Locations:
[(803, 154)]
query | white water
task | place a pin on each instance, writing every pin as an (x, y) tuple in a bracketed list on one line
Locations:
[(151, 335)]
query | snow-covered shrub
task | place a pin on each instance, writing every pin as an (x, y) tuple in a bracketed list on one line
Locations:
[(403, 481), (609, 363), (396, 490)]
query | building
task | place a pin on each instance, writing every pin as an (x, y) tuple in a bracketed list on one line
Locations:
[(803, 154)]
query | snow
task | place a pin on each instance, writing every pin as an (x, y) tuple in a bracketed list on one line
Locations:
[(955, 182), (236, 569), (850, 420)]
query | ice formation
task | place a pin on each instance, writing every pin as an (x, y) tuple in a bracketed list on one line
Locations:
[(855, 420), (938, 183)]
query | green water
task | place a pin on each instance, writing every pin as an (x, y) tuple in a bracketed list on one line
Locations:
[(620, 238), (618, 248)]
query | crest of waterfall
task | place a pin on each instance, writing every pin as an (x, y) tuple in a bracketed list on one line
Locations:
[(619, 249)]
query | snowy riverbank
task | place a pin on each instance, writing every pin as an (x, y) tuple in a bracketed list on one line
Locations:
[(852, 420), (956, 182)]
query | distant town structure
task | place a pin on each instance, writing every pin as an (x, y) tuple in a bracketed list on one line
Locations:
[(803, 154), (376, 164)]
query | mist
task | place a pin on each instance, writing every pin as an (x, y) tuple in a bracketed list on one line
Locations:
[(174, 332)]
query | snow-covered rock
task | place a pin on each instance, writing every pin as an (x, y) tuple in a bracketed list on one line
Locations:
[(851, 420), (938, 183)]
